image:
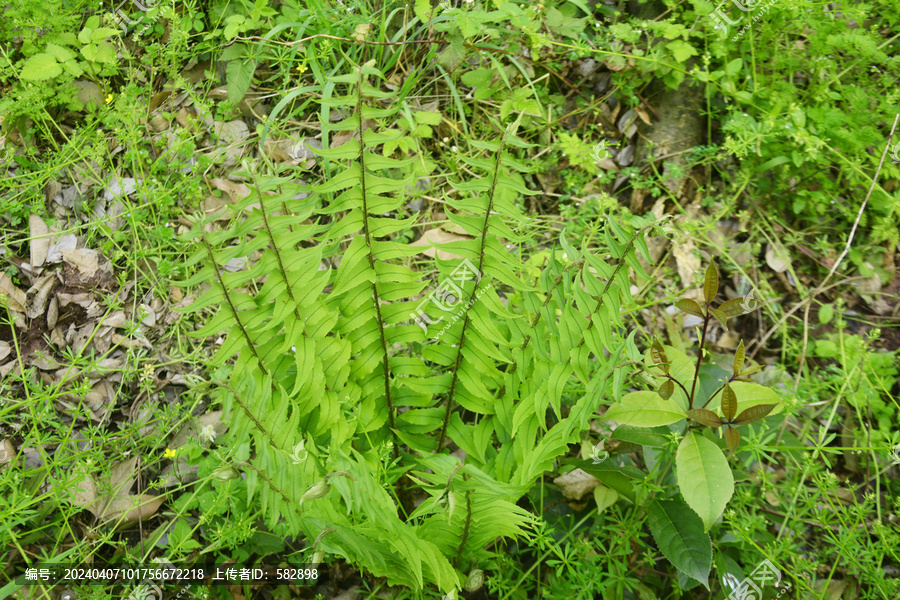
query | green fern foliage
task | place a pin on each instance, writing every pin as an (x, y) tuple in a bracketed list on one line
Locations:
[(347, 375)]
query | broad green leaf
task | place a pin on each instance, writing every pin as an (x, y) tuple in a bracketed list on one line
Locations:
[(644, 436), (681, 50), (238, 75), (618, 478), (704, 477), (690, 307), (679, 534), (604, 497), (711, 283), (423, 10), (644, 409), (62, 54), (99, 52), (40, 67)]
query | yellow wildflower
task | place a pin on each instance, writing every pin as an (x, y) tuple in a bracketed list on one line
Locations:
[(301, 68), (109, 98), (169, 453)]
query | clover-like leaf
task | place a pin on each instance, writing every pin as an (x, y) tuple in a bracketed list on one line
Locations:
[(729, 403), (705, 417), (690, 307), (711, 283), (754, 413)]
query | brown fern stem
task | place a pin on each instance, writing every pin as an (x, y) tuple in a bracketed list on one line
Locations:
[(468, 305), (231, 306)]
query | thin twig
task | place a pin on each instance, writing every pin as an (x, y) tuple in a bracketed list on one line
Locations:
[(843, 254), (788, 314)]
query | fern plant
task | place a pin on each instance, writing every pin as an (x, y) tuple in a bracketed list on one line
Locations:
[(347, 377)]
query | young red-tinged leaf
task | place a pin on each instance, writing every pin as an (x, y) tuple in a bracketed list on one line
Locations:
[(690, 307), (705, 417), (739, 358), (754, 413), (729, 403), (732, 438), (733, 307), (659, 356), (666, 389), (711, 284), (720, 316)]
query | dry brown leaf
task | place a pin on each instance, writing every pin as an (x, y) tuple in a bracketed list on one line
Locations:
[(135, 508), (87, 261), (230, 135), (193, 428), (438, 236), (15, 298), (292, 151), (99, 397), (235, 191), (40, 240), (158, 99), (7, 453), (643, 115), (215, 208), (66, 242), (52, 313), (39, 294), (687, 262), (608, 164), (576, 484), (89, 93), (777, 258), (113, 501)]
